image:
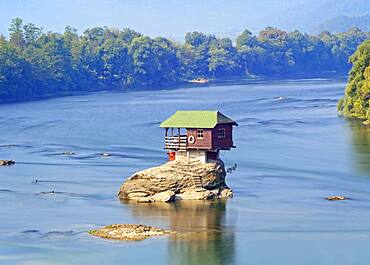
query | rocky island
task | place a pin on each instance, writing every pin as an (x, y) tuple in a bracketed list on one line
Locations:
[(195, 170), (177, 180)]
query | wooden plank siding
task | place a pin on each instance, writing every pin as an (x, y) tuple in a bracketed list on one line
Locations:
[(223, 143), (205, 143), (210, 140), (175, 142)]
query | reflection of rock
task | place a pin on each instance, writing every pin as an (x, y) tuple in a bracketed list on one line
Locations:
[(128, 232), (202, 236), (189, 181), (6, 162)]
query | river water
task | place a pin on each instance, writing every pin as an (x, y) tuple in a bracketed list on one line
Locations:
[(292, 151)]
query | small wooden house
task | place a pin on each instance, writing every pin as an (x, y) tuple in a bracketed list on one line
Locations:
[(198, 135)]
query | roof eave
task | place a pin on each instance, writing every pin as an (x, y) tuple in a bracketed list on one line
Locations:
[(232, 123)]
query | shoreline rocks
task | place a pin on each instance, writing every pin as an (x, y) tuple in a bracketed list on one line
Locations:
[(177, 180), (129, 232), (6, 162)]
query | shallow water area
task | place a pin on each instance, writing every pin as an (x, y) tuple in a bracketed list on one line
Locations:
[(292, 151)]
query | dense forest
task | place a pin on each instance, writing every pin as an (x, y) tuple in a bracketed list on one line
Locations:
[(356, 102), (35, 63)]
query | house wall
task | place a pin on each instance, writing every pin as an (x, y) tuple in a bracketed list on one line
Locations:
[(210, 139), (225, 143), (205, 143), (192, 155)]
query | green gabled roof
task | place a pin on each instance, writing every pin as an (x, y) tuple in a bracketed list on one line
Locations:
[(196, 119)]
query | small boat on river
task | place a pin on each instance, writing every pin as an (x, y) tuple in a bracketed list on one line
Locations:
[(199, 81)]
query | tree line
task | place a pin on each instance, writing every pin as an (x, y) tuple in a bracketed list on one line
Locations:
[(35, 63)]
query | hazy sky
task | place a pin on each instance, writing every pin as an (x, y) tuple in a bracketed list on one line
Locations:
[(152, 17)]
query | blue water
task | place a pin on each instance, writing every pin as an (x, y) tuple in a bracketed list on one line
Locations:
[(292, 151)]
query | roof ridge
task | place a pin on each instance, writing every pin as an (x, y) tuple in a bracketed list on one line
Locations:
[(197, 110), (196, 119)]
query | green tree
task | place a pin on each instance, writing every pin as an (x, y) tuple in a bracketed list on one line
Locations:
[(31, 34), (15, 74), (223, 59), (245, 40), (16, 33), (117, 63)]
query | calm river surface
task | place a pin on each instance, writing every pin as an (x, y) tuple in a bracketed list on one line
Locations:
[(292, 151)]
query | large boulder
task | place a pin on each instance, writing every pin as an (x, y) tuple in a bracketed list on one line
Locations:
[(177, 180)]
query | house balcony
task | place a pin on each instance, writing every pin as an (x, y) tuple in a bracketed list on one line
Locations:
[(176, 142)]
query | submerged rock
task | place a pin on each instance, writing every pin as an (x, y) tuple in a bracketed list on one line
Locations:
[(68, 153), (232, 169), (279, 98), (336, 198), (6, 162), (129, 232), (366, 123), (177, 180), (47, 192)]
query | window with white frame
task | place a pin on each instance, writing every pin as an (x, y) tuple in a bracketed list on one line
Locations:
[(221, 133), (200, 133)]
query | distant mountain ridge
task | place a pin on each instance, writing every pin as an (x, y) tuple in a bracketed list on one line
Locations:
[(343, 23), (309, 16)]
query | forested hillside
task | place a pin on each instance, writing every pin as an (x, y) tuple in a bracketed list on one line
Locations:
[(310, 15), (356, 102), (35, 63)]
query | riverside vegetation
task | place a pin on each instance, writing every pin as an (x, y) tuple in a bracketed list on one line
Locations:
[(356, 102), (35, 63)]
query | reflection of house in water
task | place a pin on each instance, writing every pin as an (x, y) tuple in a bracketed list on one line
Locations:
[(361, 143), (203, 238)]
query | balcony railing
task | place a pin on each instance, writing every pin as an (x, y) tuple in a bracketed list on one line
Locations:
[(175, 142)]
